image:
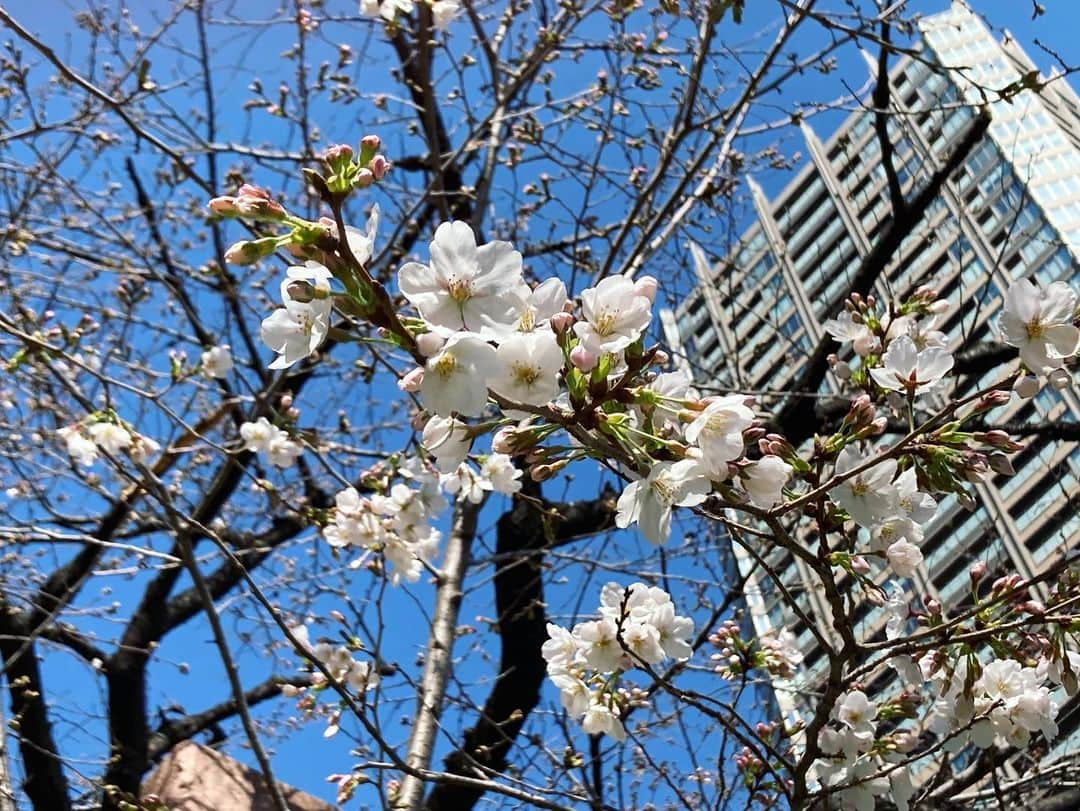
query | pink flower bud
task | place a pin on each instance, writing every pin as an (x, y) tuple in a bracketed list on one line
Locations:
[(363, 179), (338, 153), (646, 288), (583, 359), (939, 307), (977, 571), (225, 206), (429, 344), (561, 323), (370, 142), (412, 380), (379, 166), (1033, 607), (859, 565), (660, 357), (933, 607), (503, 440)]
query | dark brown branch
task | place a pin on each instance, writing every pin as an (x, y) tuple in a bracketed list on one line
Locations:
[(44, 781), (880, 99), (522, 628), (177, 730)]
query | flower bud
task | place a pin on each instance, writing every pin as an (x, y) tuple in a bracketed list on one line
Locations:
[(977, 571), (379, 166), (369, 145), (646, 288), (1060, 379), (933, 607), (992, 399), (1033, 607), (1000, 463), (541, 473), (996, 438), (412, 380), (561, 323), (338, 153), (507, 440), (1026, 386), (363, 179), (660, 357), (859, 565), (583, 359), (224, 206), (429, 344), (939, 307)]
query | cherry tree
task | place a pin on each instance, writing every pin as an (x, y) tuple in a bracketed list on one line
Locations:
[(365, 407)]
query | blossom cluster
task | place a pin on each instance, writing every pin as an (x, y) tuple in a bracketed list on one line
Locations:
[(396, 523), (358, 674), (264, 438), (555, 380), (637, 624), (86, 440), (778, 653)]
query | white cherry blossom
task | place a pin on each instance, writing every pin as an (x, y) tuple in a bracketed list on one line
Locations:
[(904, 557), (258, 435), (499, 469), (545, 300), (870, 495), (528, 368), (844, 329), (448, 440), (1039, 322), (79, 446), (110, 437), (295, 331), (457, 378), (466, 287), (614, 315), (765, 480), (718, 431), (907, 369), (648, 502), (217, 361)]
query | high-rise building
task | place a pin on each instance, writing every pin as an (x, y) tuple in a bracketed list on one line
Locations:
[(1012, 210)]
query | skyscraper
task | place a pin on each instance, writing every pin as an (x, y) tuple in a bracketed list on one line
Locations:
[(1012, 210)]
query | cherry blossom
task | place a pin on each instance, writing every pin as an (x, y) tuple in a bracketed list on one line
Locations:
[(295, 331), (79, 446), (457, 378), (528, 368), (217, 361), (845, 329), (718, 432), (448, 440), (765, 480), (546, 300), (869, 496), (614, 316), (908, 369), (467, 287), (499, 469), (1039, 322), (110, 437), (648, 502)]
